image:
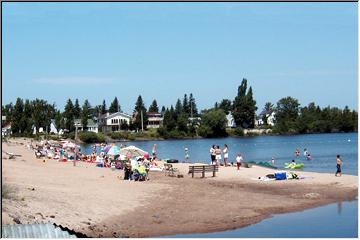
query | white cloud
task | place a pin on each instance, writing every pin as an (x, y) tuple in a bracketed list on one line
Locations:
[(74, 81)]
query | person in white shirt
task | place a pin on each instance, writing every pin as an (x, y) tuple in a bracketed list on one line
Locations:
[(239, 159)]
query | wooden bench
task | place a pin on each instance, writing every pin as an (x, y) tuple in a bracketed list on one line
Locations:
[(202, 169), (170, 170)]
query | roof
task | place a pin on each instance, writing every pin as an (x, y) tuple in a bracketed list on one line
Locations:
[(47, 230), (117, 114)]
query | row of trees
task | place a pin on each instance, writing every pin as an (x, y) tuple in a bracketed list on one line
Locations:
[(182, 119), (291, 118)]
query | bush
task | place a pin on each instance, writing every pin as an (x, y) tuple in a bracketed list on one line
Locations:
[(91, 137), (239, 131)]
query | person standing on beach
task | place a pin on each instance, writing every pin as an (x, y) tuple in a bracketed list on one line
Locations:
[(238, 161), (226, 154), (212, 154), (218, 155), (339, 163), (154, 151), (187, 155)]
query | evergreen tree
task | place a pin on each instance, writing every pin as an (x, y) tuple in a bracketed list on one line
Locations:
[(85, 114), (169, 122), (27, 117), (178, 108), (58, 118), (193, 107), (17, 123), (154, 107), (115, 106), (163, 110), (244, 107), (185, 105), (42, 114), (103, 107), (69, 116), (140, 107), (77, 109)]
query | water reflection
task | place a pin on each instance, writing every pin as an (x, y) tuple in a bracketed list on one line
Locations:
[(339, 208)]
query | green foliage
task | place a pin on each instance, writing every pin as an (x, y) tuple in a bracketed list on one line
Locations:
[(115, 106), (77, 109), (244, 107), (225, 105), (91, 137), (85, 114), (213, 124), (103, 107), (69, 116), (140, 107), (287, 112), (154, 107)]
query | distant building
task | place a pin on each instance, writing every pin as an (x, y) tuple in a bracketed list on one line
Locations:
[(112, 122), (3, 121), (230, 121), (6, 130), (155, 119), (92, 126), (270, 118), (196, 120)]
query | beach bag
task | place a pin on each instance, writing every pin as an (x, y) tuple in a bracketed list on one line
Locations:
[(280, 176)]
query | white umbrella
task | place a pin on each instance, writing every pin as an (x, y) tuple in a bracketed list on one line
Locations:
[(133, 151)]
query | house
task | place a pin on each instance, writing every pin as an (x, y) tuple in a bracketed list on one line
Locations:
[(230, 121), (195, 120), (112, 122), (92, 126), (155, 119), (270, 118), (6, 130), (3, 121)]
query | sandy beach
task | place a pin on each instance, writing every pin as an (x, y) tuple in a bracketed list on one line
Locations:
[(99, 203)]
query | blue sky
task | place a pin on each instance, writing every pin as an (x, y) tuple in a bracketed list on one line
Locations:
[(97, 51)]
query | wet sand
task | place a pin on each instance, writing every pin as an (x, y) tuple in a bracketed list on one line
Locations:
[(98, 203)]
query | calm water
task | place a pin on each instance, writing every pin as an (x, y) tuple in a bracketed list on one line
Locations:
[(323, 148), (339, 220)]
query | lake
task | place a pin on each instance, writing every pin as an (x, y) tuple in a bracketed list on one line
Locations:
[(339, 220), (323, 148)]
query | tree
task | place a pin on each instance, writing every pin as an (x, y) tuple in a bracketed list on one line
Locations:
[(77, 109), (182, 122), (27, 117), (213, 124), (244, 107), (69, 116), (186, 105), (103, 107), (169, 122), (163, 110), (193, 107), (287, 111), (58, 118), (225, 105), (154, 107), (17, 123), (85, 113), (115, 106), (178, 108), (140, 108)]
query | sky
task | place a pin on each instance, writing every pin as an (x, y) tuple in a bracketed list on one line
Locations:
[(96, 51)]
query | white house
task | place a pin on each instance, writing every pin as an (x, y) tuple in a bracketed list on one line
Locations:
[(230, 121), (112, 122), (271, 118), (6, 130), (154, 119), (92, 126)]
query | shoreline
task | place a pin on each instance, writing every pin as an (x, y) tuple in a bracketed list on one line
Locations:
[(97, 202)]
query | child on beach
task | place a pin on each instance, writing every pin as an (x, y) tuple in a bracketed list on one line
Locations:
[(238, 161), (212, 154), (187, 155)]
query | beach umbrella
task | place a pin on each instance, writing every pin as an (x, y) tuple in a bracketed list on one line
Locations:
[(132, 151), (113, 150)]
